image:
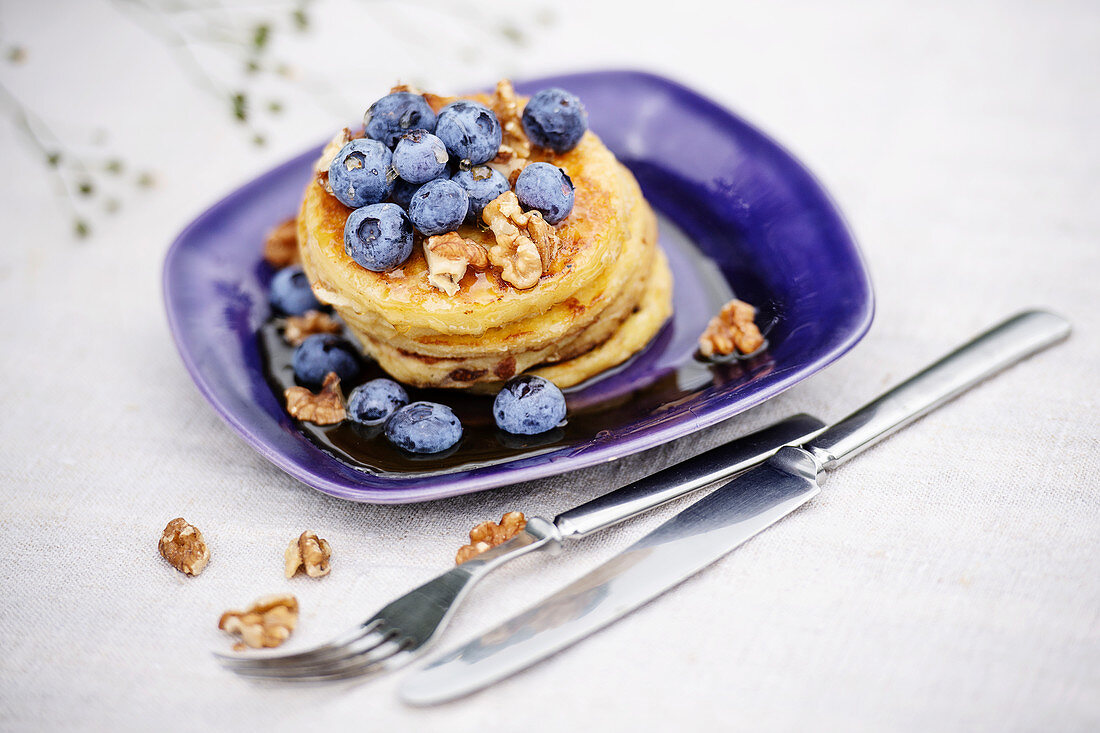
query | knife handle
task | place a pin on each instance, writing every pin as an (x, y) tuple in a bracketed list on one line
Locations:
[(705, 469), (998, 348)]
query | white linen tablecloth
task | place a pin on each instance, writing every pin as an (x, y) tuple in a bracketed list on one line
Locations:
[(948, 579)]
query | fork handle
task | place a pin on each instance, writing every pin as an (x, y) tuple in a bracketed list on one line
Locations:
[(703, 470)]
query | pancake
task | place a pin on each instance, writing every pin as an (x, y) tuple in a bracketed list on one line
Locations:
[(602, 295), (636, 331), (592, 236)]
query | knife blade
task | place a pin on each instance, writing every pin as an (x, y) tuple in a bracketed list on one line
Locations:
[(715, 525)]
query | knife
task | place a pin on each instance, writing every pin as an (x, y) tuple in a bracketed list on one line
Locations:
[(715, 525)]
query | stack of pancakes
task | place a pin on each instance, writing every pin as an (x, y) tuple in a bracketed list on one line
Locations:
[(606, 292)]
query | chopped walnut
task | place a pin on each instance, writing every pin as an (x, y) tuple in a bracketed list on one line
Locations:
[(506, 106), (183, 547), (281, 244), (488, 535), (404, 88), (320, 168), (448, 255), (515, 147), (268, 623), (514, 176), (525, 242), (508, 164), (310, 553), (324, 408), (297, 328), (733, 328)]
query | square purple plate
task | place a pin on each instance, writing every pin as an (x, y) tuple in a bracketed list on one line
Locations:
[(738, 214)]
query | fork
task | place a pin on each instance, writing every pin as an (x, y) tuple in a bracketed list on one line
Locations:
[(404, 629)]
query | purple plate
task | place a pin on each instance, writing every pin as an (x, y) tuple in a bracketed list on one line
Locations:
[(738, 213)]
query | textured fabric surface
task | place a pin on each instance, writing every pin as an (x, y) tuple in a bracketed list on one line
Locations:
[(948, 579)]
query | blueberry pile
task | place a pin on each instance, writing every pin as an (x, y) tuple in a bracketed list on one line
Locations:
[(416, 169)]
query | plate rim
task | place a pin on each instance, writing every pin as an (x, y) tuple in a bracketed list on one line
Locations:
[(376, 489)]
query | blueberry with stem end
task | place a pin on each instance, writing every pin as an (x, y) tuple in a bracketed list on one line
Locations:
[(424, 427), (378, 237), (361, 173), (528, 405), (547, 189), (470, 130), (371, 403), (419, 157), (395, 114), (555, 119), (482, 184)]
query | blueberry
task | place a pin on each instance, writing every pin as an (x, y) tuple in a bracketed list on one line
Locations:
[(372, 402), (403, 192), (322, 353), (528, 405), (361, 173), (379, 237), (547, 188), (419, 157), (438, 206), (470, 131), (482, 184), (555, 119), (290, 292), (395, 114), (424, 427)]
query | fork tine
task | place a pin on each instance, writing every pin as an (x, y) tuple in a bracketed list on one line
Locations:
[(363, 647), (399, 658), (364, 637), (361, 664), (397, 633)]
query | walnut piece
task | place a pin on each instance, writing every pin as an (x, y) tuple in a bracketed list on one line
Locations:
[(506, 107), (525, 242), (324, 408), (267, 624), (733, 328), (405, 88), (308, 552), (320, 168), (281, 244), (297, 328), (448, 255), (183, 547), (488, 535)]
